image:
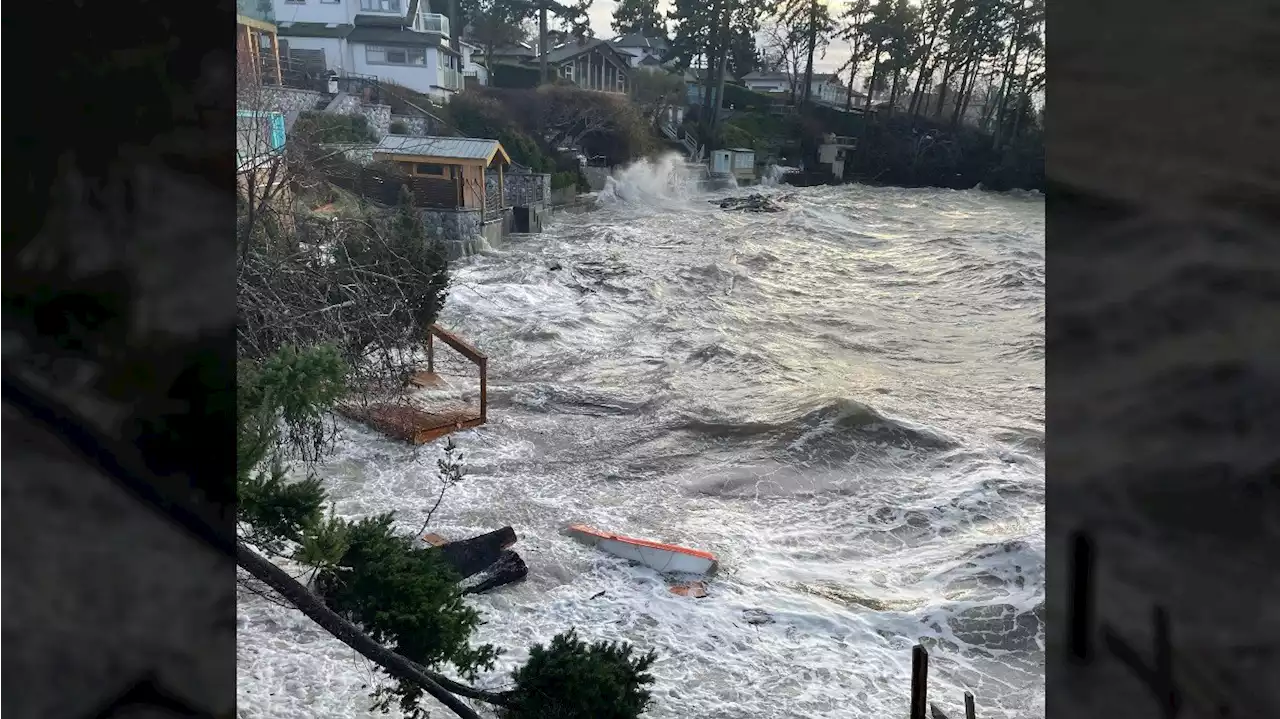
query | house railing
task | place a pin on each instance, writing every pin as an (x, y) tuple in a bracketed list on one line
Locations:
[(450, 79)]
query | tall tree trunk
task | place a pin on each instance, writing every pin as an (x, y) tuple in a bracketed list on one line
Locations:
[(926, 71), (455, 34), (813, 44), (718, 105), (966, 97), (875, 75), (942, 89), (960, 92), (542, 44), (853, 71), (346, 632)]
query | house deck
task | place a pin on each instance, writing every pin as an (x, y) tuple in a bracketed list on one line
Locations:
[(413, 424)]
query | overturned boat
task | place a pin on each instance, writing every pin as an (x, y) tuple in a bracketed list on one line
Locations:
[(668, 558)]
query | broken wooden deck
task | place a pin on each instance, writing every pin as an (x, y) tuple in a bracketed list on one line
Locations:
[(407, 421)]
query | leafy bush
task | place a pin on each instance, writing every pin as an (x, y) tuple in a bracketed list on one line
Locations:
[(565, 179), (328, 127), (574, 680)]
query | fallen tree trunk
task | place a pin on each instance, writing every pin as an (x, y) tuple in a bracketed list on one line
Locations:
[(469, 557), (509, 568), (441, 688)]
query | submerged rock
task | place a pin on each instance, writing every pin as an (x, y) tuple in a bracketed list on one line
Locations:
[(757, 616), (751, 203)]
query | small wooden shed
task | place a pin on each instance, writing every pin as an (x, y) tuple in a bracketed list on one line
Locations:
[(449, 172), (743, 163), (721, 162)]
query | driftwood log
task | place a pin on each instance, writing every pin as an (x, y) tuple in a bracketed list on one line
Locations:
[(469, 557), (509, 569)]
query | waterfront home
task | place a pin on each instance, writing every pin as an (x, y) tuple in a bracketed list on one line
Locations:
[(591, 65), (401, 41)]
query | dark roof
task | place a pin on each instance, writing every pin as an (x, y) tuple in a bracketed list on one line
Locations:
[(520, 50), (364, 20), (651, 60), (572, 49), (636, 39), (396, 36), (312, 29)]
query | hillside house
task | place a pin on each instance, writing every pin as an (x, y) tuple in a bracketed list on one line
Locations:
[(641, 50), (460, 173), (401, 41), (768, 82), (591, 65)]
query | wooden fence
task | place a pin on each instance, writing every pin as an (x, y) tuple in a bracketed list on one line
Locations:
[(384, 187)]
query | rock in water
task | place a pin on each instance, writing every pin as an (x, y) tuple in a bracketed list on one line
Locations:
[(508, 569), (757, 616), (751, 203)]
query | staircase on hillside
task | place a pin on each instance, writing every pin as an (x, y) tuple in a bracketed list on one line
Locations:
[(692, 149)]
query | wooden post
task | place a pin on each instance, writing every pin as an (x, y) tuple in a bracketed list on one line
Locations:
[(431, 352), (919, 681), (484, 389), (275, 49), (1080, 609), (969, 711)]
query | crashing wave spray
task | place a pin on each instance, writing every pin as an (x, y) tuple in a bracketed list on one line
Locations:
[(772, 176), (665, 180)]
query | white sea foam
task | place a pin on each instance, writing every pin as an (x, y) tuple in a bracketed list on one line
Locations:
[(836, 427)]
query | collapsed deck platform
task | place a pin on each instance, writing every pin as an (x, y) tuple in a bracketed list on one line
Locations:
[(421, 421)]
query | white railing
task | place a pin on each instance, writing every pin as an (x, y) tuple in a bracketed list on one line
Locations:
[(433, 22), (450, 79)]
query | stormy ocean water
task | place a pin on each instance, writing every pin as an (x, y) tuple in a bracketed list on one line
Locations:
[(843, 400)]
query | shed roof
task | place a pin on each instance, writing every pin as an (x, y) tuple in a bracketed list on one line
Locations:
[(457, 148)]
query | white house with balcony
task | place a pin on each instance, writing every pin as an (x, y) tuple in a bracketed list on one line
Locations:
[(400, 41)]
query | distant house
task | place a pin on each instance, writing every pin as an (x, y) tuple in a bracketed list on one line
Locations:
[(640, 49), (767, 81), (394, 40), (449, 172), (514, 54), (592, 65)]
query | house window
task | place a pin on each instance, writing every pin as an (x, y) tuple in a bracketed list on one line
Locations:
[(423, 168), (296, 2), (380, 5), (566, 71), (380, 55), (330, 2)]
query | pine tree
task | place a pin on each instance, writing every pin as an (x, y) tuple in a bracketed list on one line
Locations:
[(639, 16)]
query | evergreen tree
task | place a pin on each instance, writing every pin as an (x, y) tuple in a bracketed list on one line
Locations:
[(639, 16)]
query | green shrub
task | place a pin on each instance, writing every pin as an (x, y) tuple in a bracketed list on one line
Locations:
[(328, 127), (571, 679)]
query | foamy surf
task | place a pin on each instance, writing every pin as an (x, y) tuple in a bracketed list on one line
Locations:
[(854, 431)]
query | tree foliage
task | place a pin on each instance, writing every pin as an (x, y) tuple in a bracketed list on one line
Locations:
[(571, 679), (639, 16)]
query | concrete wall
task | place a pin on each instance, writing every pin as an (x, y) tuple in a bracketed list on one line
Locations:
[(379, 117), (463, 232), (520, 188), (562, 196), (596, 177), (288, 100), (415, 125)]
